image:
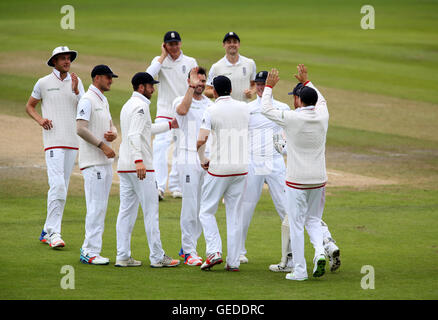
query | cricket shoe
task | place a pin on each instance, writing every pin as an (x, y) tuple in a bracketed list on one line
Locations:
[(192, 260), (160, 195), (334, 254), (291, 276), (44, 237), (230, 268), (283, 266), (55, 241), (176, 194), (90, 259), (127, 263), (319, 266), (181, 253), (165, 262), (212, 259), (243, 259)]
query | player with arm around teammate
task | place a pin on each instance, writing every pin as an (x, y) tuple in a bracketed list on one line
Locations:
[(137, 177), (59, 93)]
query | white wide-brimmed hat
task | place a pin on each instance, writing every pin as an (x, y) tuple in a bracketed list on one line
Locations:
[(60, 50)]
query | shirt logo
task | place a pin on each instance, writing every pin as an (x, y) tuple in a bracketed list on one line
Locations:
[(184, 69), (244, 71), (51, 153), (188, 178), (141, 111), (98, 176), (82, 112), (52, 89)]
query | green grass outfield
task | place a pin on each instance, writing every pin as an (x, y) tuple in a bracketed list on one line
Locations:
[(381, 90)]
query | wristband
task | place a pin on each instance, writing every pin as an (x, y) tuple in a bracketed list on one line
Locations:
[(268, 86), (138, 161)]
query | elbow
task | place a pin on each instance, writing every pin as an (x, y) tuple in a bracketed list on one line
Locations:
[(181, 112)]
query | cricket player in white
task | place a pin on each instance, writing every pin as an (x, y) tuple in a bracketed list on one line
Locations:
[(227, 120), (171, 69), (137, 178), (306, 130), (266, 165), (239, 69), (96, 131), (59, 93), (189, 112)]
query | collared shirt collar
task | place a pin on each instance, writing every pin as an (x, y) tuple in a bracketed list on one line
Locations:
[(181, 55), (97, 92), (222, 98), (305, 108), (58, 75), (142, 97), (229, 63)]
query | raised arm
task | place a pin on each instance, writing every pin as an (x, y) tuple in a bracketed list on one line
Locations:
[(302, 77), (155, 66), (185, 104), (268, 109)]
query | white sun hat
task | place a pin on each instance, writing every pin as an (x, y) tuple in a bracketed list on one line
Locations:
[(60, 50)]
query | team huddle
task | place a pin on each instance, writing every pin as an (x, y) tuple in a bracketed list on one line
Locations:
[(226, 146)]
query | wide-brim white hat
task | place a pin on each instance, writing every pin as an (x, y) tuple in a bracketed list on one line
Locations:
[(60, 50)]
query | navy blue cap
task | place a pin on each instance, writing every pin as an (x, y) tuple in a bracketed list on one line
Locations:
[(102, 69), (261, 76), (231, 35), (296, 90), (142, 78), (222, 85), (171, 36)]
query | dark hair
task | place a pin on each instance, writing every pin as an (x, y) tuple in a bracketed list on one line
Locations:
[(222, 85), (201, 70), (308, 96)]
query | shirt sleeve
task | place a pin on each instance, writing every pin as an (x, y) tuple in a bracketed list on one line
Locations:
[(81, 89), (136, 127), (84, 110), (211, 75), (36, 92), (206, 120), (154, 68), (321, 104), (269, 111)]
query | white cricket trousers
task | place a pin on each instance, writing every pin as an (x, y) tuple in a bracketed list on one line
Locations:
[(161, 144), (60, 163), (133, 192), (231, 188), (259, 173), (191, 177), (304, 210), (97, 185)]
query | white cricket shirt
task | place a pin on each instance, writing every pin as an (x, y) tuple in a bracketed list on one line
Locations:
[(241, 74)]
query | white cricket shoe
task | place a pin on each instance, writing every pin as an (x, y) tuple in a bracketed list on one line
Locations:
[(96, 260), (243, 259), (165, 262), (280, 268), (319, 266), (212, 260), (176, 194), (333, 253), (127, 263), (55, 241), (160, 195), (291, 276)]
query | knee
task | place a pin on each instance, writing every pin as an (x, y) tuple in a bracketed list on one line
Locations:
[(58, 189)]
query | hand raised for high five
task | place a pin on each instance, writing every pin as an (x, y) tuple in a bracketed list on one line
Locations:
[(302, 73), (194, 77), (272, 78)]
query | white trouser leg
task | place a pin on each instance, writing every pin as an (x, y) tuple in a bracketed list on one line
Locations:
[(147, 193), (249, 202), (97, 185), (297, 208), (285, 241), (174, 182), (191, 178), (160, 147), (60, 163), (325, 230), (213, 189), (233, 207), (277, 188), (127, 216), (313, 219)]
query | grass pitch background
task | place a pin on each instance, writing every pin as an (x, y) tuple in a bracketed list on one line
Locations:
[(381, 90)]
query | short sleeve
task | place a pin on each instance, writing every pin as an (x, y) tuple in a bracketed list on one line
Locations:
[(36, 92), (84, 110), (206, 121)]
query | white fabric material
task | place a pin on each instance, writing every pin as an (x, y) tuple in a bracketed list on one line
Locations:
[(191, 177), (304, 211), (306, 131), (60, 163), (227, 119), (97, 186), (93, 107), (58, 103), (262, 130), (132, 193), (241, 74), (137, 129), (275, 180), (213, 190), (172, 75), (160, 147)]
